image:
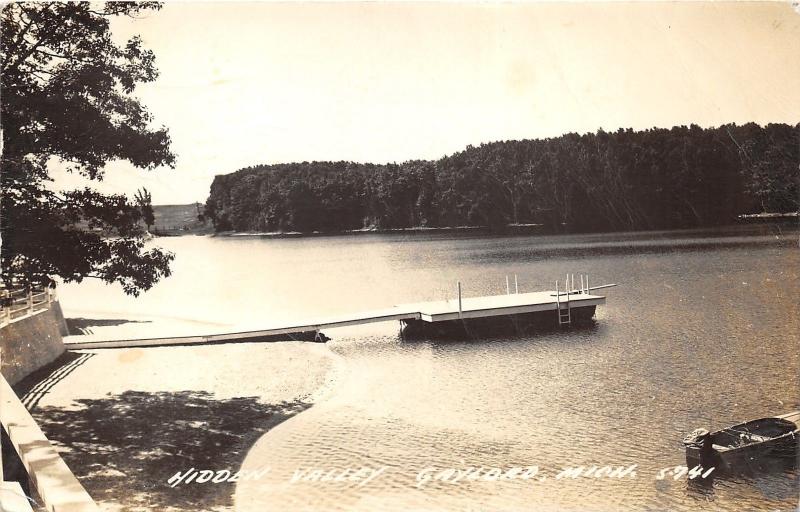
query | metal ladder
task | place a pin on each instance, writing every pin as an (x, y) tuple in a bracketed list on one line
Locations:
[(563, 307)]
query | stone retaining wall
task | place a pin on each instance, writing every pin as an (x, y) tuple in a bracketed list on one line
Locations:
[(32, 342)]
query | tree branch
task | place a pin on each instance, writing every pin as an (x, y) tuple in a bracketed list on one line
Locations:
[(46, 37), (20, 37)]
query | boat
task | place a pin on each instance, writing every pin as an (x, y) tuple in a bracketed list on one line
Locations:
[(746, 445)]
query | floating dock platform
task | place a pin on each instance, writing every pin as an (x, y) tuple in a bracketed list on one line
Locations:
[(557, 307)]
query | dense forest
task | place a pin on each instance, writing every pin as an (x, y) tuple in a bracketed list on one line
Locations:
[(625, 180)]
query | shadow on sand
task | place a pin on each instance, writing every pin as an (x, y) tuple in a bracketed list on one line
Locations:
[(125, 447), (36, 385), (80, 326)]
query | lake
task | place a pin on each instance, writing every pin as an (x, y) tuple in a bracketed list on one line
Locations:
[(702, 331)]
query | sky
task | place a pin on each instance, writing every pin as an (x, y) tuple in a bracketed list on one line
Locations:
[(258, 83)]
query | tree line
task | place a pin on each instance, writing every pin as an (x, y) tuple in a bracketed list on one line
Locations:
[(624, 180)]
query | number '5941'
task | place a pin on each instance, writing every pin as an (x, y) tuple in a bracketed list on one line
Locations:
[(678, 472)]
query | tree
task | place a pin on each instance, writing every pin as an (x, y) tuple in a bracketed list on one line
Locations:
[(201, 216), (770, 165), (66, 98), (145, 203), (623, 180)]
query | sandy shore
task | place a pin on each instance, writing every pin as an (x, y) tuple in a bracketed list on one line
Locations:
[(126, 420)]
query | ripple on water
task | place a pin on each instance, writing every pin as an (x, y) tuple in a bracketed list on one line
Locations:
[(703, 331)]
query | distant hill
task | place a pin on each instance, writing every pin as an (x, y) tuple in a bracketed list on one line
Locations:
[(179, 219), (627, 180)]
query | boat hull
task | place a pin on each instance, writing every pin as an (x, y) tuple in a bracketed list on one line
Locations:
[(755, 445)]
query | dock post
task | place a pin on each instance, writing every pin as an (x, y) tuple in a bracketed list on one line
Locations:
[(508, 287), (516, 286), (587, 284), (583, 290), (459, 300)]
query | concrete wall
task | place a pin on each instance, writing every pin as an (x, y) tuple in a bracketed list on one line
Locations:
[(30, 343)]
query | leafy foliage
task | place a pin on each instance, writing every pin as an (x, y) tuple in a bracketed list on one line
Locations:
[(625, 180), (66, 97), (145, 203)]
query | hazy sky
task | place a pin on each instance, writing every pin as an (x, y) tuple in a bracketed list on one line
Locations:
[(249, 83)]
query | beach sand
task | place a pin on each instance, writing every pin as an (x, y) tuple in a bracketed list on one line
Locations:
[(126, 420)]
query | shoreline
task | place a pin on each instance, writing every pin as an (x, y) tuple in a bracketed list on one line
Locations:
[(510, 229), (743, 220), (126, 420)]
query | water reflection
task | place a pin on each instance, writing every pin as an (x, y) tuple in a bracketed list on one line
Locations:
[(702, 331)]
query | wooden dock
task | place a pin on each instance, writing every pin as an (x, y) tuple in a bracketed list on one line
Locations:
[(510, 304)]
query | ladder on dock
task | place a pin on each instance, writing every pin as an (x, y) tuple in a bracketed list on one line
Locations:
[(563, 306)]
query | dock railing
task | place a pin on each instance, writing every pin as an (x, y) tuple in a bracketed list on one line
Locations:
[(23, 302)]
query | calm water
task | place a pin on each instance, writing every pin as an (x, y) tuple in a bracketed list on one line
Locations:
[(703, 331)]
